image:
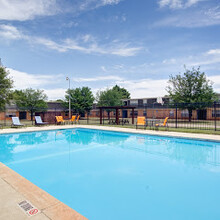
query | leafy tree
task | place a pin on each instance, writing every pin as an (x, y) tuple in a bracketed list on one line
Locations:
[(122, 91), (193, 89), (109, 97), (30, 100), (81, 99), (5, 87), (59, 100)]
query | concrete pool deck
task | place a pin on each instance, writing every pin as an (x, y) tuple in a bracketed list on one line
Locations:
[(14, 188)]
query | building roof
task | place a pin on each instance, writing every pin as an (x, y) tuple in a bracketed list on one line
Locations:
[(164, 97), (55, 105), (116, 107)]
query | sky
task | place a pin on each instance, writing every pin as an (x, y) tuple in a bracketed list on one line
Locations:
[(136, 44)]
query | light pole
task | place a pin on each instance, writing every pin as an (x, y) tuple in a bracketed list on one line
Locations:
[(68, 79)]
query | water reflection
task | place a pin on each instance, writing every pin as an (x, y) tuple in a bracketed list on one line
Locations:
[(190, 152), (12, 144), (40, 144)]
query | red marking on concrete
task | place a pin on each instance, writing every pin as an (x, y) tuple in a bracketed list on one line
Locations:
[(33, 211)]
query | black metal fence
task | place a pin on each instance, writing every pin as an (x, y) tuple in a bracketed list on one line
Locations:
[(200, 116)]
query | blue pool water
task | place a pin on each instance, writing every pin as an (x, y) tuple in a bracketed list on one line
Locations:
[(120, 176)]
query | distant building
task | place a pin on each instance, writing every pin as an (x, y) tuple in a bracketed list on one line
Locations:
[(54, 108), (140, 102), (148, 107)]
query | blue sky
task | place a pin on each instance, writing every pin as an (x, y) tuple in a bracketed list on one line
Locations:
[(136, 44)]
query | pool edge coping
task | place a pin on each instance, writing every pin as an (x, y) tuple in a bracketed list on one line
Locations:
[(48, 206), (181, 135), (195, 136)]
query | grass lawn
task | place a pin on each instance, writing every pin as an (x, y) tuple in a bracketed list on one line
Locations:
[(95, 121)]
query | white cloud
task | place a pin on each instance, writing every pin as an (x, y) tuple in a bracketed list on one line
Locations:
[(138, 88), (207, 58), (216, 81), (99, 78), (85, 44), (190, 19), (214, 13), (110, 2), (23, 80), (178, 4), (171, 3), (54, 94), (26, 9), (48, 43), (125, 51), (169, 61), (87, 5), (10, 32), (103, 68), (119, 49), (29, 9), (209, 61), (116, 18), (213, 52), (144, 87), (189, 3)]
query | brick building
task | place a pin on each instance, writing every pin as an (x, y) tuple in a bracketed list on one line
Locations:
[(150, 108)]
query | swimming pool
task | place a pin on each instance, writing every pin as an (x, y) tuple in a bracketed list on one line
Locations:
[(111, 175)]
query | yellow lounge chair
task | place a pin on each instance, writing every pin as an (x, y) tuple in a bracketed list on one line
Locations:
[(73, 119), (165, 123), (77, 120), (59, 120), (141, 121)]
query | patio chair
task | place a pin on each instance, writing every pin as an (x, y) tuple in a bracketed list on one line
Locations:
[(164, 124), (38, 121), (16, 122), (141, 121), (73, 119), (77, 120), (59, 120)]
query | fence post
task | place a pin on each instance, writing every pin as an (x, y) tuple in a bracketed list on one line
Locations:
[(176, 116), (87, 117), (100, 115), (55, 116), (215, 116), (5, 118), (103, 118), (32, 115)]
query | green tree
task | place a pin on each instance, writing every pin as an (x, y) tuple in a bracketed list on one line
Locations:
[(109, 97), (30, 100), (5, 87), (81, 99), (193, 89), (124, 93)]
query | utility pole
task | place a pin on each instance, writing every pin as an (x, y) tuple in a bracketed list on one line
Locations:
[(68, 79)]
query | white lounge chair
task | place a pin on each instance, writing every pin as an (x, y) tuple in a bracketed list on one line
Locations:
[(38, 121), (16, 122)]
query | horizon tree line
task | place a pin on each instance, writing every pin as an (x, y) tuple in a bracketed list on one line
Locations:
[(190, 87)]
